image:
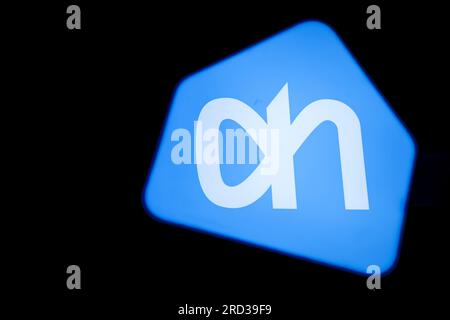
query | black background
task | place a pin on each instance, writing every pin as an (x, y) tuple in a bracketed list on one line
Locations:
[(93, 101)]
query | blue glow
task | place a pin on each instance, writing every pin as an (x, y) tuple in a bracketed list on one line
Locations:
[(315, 63)]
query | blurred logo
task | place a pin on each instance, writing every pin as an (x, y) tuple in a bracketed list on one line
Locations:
[(289, 146)]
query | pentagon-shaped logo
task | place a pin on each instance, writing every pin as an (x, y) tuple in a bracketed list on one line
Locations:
[(289, 146)]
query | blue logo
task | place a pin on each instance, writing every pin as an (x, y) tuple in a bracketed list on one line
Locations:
[(287, 145)]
